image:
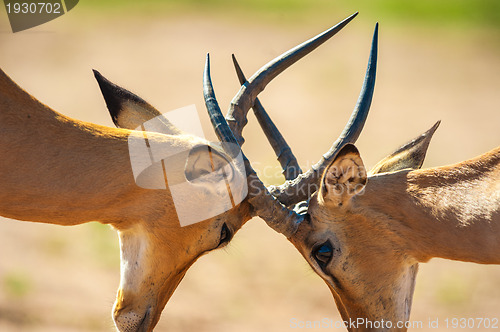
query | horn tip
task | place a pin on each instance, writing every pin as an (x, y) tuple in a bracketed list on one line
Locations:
[(207, 63), (348, 19), (436, 125)]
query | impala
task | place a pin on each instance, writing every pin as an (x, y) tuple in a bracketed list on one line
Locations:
[(63, 171), (365, 232)]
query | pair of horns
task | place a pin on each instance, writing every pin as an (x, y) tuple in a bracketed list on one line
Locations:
[(272, 203)]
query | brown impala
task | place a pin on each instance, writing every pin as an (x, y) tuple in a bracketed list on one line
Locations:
[(365, 232)]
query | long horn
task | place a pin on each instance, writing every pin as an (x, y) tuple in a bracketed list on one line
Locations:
[(306, 184), (244, 99), (264, 204), (286, 158), (226, 137)]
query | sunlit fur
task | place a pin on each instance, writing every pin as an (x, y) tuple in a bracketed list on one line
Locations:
[(62, 171), (398, 220)]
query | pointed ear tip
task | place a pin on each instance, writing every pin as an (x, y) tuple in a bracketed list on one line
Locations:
[(348, 148), (98, 76)]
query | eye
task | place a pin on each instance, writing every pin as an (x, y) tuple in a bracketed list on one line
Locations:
[(323, 254), (225, 235)]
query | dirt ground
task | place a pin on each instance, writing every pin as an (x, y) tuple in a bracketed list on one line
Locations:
[(65, 278)]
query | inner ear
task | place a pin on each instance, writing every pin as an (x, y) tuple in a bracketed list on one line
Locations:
[(345, 177), (204, 160)]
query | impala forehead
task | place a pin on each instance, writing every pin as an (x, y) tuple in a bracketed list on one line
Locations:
[(325, 224)]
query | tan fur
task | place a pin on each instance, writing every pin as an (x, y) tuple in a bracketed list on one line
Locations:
[(62, 171), (400, 219)]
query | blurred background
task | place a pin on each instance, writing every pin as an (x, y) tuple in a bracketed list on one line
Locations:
[(437, 61)]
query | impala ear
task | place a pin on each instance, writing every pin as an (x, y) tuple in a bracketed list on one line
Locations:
[(410, 155), (344, 178), (129, 110)]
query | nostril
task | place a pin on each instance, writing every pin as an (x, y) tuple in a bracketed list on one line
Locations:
[(132, 321)]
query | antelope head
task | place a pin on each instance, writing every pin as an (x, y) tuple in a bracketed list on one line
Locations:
[(369, 277), (156, 252), (360, 257)]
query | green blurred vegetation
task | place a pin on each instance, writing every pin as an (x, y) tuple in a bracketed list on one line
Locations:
[(452, 291), (17, 284), (442, 13), (104, 245), (55, 246)]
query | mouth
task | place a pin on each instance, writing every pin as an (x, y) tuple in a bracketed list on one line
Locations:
[(131, 321), (145, 323)]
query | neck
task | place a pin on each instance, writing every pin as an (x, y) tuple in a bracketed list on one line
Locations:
[(449, 212), (58, 170)]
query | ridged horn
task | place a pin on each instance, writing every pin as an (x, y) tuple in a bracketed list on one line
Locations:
[(301, 188), (286, 158)]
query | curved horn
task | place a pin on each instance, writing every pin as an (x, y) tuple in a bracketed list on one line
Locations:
[(244, 99), (286, 158), (306, 184), (225, 135), (264, 205)]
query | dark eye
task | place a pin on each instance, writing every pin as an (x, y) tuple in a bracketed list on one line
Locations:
[(323, 254), (225, 235)]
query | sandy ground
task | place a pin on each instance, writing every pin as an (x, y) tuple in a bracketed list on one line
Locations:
[(64, 279)]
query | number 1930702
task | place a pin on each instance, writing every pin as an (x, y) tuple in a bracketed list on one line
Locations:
[(33, 8), (472, 323)]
